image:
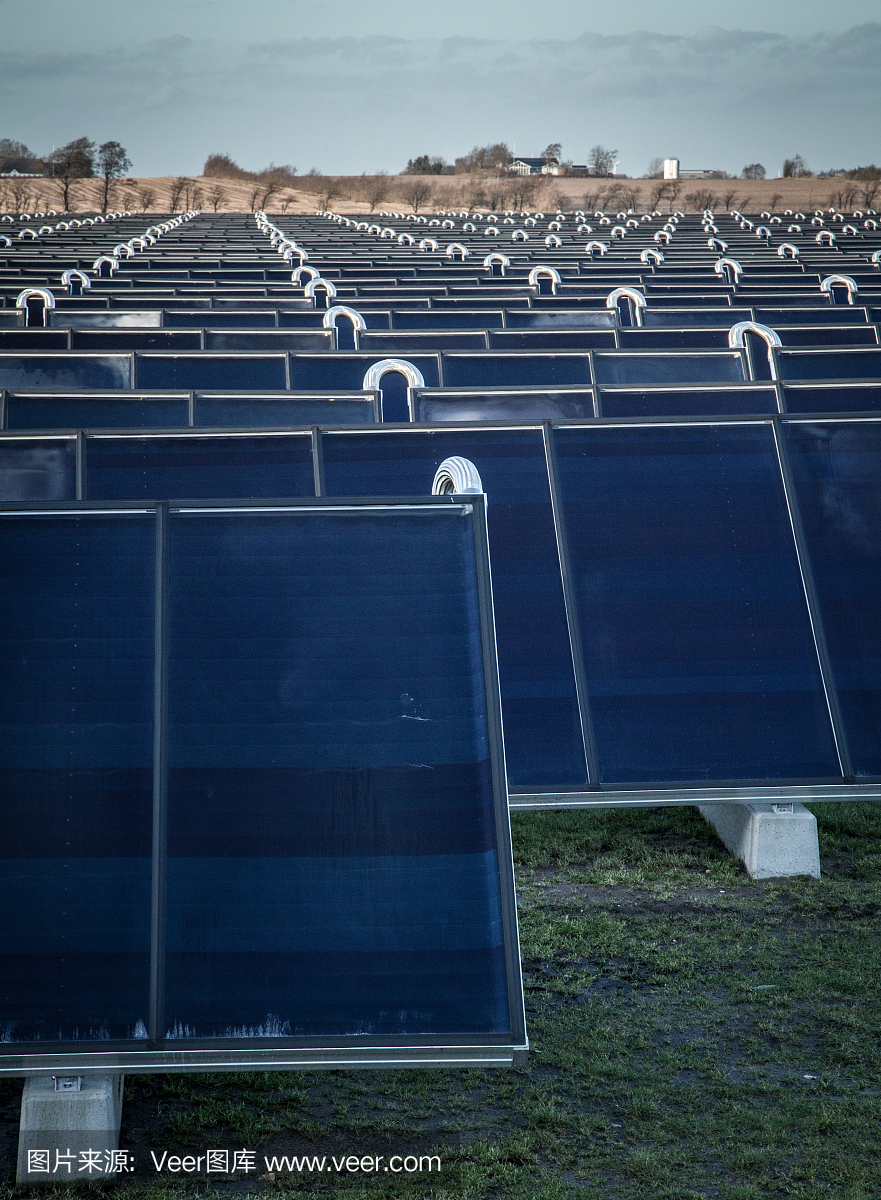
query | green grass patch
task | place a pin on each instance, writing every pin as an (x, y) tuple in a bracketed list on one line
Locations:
[(695, 1034)]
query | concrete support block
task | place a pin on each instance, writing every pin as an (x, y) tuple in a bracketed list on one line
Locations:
[(69, 1128), (773, 840)]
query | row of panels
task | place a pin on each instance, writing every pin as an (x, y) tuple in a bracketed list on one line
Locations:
[(47, 410), (675, 603)]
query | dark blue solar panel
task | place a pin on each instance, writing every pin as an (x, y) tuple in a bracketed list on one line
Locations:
[(829, 364), (542, 730), (695, 402), (37, 469), (65, 371), (636, 369), (836, 469), (199, 467), (333, 866), (436, 407), (698, 650), (76, 687), (523, 370), (833, 399), (260, 373), (265, 411), (96, 412)]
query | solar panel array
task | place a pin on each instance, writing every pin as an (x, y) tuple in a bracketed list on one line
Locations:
[(676, 422)]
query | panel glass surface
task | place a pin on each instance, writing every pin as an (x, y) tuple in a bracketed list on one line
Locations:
[(333, 867), (65, 371), (543, 739), (95, 412), (668, 368), (265, 373), (833, 399), (836, 470), (76, 686), (258, 411), (693, 402), (194, 467), (698, 650), (37, 469)]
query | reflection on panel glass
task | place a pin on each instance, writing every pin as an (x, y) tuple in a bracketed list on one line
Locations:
[(333, 866), (434, 407), (37, 469), (668, 368), (65, 371), (698, 650), (76, 682), (194, 467), (542, 732), (836, 469)]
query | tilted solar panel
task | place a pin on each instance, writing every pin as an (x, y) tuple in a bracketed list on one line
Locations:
[(254, 806)]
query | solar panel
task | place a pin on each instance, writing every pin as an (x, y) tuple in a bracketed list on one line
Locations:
[(254, 788)]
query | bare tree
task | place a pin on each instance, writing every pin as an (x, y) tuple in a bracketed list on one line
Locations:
[(655, 169), (657, 192), (178, 187), (376, 188), (846, 195), (112, 162), (216, 196), (754, 171), (329, 190), (521, 190), (146, 196), (728, 196), (601, 160), (417, 192), (68, 163), (256, 193), (869, 189), (701, 199), (774, 200)]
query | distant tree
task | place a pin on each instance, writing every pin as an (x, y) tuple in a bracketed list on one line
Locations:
[(15, 156), (376, 188), (550, 156), (425, 164), (754, 171), (655, 169), (224, 167), (728, 196), (216, 196), (658, 191), (600, 160), (68, 163), (773, 200), (795, 168), (112, 162), (484, 158), (521, 190), (178, 187), (417, 193), (146, 196)]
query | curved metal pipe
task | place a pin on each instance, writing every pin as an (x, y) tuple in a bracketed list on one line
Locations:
[(457, 476)]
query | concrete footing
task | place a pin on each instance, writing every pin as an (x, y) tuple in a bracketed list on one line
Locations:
[(773, 840), (69, 1128)]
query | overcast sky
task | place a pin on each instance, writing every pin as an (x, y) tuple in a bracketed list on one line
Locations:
[(361, 85)]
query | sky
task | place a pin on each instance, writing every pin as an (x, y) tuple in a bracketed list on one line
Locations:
[(347, 86)]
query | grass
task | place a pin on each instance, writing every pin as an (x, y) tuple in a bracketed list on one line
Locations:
[(694, 1034)]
